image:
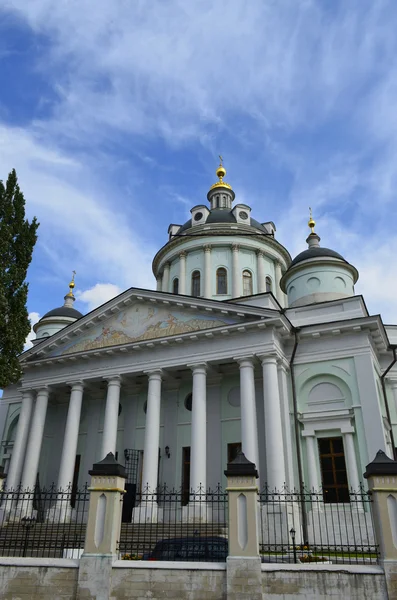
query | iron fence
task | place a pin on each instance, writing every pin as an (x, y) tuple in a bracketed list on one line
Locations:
[(300, 527), (164, 527), (43, 522)]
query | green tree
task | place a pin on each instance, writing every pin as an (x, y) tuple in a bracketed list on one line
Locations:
[(17, 240)]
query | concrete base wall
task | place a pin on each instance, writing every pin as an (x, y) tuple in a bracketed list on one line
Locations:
[(57, 579)]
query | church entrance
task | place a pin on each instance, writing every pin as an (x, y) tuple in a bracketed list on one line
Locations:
[(132, 464), (185, 475)]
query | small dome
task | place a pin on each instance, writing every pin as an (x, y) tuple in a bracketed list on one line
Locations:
[(316, 252), (63, 311)]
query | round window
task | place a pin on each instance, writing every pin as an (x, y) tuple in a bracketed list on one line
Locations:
[(233, 397), (188, 402), (198, 216), (243, 215)]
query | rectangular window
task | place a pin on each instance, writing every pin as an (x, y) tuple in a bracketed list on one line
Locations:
[(333, 470)]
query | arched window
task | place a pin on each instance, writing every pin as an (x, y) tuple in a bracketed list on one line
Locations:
[(175, 286), (247, 283), (221, 281), (268, 282), (196, 283)]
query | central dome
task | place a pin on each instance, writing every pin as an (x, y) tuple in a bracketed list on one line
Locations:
[(223, 215)]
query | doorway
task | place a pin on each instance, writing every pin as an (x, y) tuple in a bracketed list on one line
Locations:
[(185, 475)]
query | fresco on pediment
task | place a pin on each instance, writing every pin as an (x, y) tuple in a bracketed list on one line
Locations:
[(142, 323)]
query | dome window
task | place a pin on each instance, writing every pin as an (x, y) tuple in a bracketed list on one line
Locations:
[(175, 285), (221, 281), (196, 277), (268, 283), (247, 283)]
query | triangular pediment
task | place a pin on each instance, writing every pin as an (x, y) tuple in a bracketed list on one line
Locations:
[(134, 319)]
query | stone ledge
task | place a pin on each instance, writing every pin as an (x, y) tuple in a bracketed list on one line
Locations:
[(186, 566), (353, 569), (19, 561)]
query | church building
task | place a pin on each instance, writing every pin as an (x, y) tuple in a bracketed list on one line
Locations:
[(240, 347)]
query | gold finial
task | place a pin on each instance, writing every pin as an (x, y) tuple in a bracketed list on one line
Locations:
[(312, 222), (71, 284), (220, 173)]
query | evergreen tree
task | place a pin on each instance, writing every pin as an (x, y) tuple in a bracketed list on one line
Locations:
[(17, 240)]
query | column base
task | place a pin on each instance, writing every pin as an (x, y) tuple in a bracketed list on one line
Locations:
[(277, 519), (59, 513), (149, 512), (197, 512)]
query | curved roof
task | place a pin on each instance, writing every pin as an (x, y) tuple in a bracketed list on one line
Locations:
[(63, 311), (316, 252), (222, 215)]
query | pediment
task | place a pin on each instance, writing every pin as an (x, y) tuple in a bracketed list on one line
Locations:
[(132, 320)]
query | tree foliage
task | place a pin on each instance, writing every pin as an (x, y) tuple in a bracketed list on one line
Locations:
[(17, 240)]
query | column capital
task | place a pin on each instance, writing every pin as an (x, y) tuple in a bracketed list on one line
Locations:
[(183, 254), (77, 384), (166, 265), (43, 390), (261, 253), (154, 374), (267, 359), (207, 248), (235, 247), (113, 380), (282, 365), (198, 367), (245, 361), (27, 393)]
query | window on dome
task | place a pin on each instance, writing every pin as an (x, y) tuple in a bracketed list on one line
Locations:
[(268, 283), (247, 283), (175, 286), (196, 283), (221, 281)]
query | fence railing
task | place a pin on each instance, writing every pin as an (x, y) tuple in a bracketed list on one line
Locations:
[(299, 526), (170, 525), (49, 524)]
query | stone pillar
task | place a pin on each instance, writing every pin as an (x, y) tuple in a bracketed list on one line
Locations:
[(382, 482), (261, 269), (109, 436), (166, 278), (159, 283), (287, 419), (152, 433), (71, 436), (244, 577), (275, 464), (236, 275), (278, 291), (103, 530), (311, 451), (198, 452), (207, 272), (18, 453), (393, 385), (182, 273), (351, 463), (33, 449), (249, 429)]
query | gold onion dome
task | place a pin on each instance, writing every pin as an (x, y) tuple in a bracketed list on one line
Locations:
[(220, 173), (71, 286)]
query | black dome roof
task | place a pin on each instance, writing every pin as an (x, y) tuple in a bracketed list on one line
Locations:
[(316, 252), (222, 215), (63, 311)]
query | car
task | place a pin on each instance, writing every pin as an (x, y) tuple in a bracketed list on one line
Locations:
[(195, 548)]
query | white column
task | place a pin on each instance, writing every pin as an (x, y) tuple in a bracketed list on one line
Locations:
[(278, 291), (159, 285), (109, 436), (236, 275), (19, 449), (287, 420), (166, 277), (182, 273), (351, 462), (198, 451), (33, 449), (260, 256), (207, 272), (152, 432), (393, 385), (249, 431), (70, 439), (311, 451), (275, 464)]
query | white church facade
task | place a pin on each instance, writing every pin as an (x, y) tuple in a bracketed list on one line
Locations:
[(239, 347)]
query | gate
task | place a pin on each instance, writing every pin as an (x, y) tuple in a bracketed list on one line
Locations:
[(131, 470)]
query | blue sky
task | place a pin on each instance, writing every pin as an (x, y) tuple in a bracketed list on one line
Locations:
[(114, 113)]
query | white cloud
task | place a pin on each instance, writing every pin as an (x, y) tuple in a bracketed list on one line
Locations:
[(34, 317), (97, 295)]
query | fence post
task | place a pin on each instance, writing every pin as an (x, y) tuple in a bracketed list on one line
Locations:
[(382, 482), (244, 577), (103, 529)]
